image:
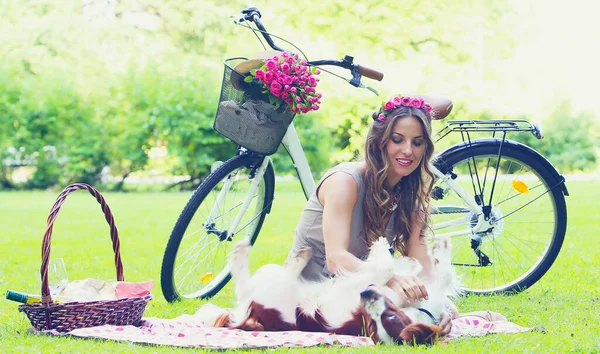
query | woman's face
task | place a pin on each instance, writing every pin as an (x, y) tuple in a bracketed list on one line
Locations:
[(405, 148)]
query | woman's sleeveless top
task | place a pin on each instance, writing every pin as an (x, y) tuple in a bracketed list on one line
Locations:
[(309, 232)]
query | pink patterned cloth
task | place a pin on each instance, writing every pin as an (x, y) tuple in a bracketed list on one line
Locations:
[(476, 326), (187, 331)]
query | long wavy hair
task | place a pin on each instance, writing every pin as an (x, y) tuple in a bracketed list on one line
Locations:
[(411, 193)]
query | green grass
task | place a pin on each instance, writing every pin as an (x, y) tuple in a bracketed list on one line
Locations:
[(566, 301)]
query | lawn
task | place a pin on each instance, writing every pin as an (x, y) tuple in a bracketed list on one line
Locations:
[(566, 301)]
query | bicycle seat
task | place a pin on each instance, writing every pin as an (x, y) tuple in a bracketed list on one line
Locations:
[(440, 105)]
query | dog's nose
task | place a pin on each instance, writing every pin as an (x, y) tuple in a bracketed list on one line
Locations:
[(366, 294)]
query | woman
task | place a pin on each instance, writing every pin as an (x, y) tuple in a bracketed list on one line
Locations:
[(387, 193)]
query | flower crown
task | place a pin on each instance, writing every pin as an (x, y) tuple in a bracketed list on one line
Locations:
[(288, 79), (398, 101)]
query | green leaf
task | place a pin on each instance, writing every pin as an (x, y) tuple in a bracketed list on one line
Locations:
[(248, 79)]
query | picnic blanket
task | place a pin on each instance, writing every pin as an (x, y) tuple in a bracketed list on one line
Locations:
[(189, 331)]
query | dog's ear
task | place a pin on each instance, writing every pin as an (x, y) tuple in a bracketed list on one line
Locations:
[(251, 324), (223, 320), (420, 333)]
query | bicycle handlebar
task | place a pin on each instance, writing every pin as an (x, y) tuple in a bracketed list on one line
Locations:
[(252, 14)]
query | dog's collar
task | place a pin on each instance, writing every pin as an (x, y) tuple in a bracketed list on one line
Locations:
[(425, 311)]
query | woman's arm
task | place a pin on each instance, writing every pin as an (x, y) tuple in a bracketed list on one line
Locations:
[(338, 194), (416, 247), (411, 288)]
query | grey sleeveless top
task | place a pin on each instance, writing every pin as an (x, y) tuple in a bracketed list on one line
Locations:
[(309, 232)]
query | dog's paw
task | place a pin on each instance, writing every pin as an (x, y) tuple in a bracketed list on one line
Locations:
[(442, 244), (238, 258), (305, 254), (241, 249)]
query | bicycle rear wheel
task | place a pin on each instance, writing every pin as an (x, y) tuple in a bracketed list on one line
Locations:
[(195, 260), (527, 214)]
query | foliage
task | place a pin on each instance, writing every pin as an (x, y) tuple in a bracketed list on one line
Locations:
[(85, 94), (568, 142)]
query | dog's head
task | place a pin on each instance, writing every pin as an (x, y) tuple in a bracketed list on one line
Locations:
[(393, 325)]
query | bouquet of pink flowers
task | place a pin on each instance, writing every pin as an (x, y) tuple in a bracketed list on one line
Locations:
[(287, 79)]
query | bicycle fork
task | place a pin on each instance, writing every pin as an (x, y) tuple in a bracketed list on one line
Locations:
[(256, 175)]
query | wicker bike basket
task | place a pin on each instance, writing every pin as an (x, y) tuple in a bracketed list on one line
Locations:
[(64, 317), (245, 115)]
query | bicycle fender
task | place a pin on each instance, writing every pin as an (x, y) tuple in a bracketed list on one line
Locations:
[(506, 144)]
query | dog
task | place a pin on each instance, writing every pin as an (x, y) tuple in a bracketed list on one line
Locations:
[(275, 298), (419, 323)]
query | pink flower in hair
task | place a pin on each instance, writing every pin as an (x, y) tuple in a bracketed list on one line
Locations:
[(397, 101), (428, 108), (381, 117), (405, 101), (389, 105), (415, 102)]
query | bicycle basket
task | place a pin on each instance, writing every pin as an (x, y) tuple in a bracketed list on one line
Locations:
[(245, 115)]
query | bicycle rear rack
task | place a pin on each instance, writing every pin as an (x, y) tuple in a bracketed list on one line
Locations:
[(489, 126)]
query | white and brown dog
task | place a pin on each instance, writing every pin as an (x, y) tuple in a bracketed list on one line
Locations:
[(274, 298)]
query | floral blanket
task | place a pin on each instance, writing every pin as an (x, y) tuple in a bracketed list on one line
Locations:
[(188, 331)]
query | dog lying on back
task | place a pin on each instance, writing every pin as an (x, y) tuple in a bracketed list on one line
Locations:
[(275, 298)]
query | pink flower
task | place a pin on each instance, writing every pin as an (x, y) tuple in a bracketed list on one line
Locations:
[(288, 80), (293, 90), (405, 101), (416, 102), (272, 65), (275, 92), (397, 100), (285, 67), (381, 117), (276, 86), (288, 100), (268, 77), (389, 105), (285, 55), (259, 74), (428, 108)]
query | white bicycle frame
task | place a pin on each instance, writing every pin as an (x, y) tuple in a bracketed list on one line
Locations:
[(292, 144)]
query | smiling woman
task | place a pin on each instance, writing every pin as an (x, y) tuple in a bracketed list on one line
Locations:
[(355, 203)]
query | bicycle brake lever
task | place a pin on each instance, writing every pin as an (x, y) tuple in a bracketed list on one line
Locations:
[(369, 88)]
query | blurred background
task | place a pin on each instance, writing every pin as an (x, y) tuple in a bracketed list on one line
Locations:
[(118, 92)]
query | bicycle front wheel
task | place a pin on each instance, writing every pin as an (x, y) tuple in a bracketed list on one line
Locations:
[(195, 260), (520, 194)]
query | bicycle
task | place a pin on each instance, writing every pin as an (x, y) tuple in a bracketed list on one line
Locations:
[(233, 201)]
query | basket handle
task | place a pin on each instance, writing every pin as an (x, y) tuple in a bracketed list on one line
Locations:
[(114, 235)]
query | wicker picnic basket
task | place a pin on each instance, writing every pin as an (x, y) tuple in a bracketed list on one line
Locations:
[(64, 317)]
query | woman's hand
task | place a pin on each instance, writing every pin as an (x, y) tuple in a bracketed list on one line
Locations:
[(409, 287), (446, 323), (447, 317)]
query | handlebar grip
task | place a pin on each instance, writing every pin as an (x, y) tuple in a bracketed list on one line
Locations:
[(370, 73)]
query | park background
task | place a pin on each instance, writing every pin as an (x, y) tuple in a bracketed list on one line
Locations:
[(122, 95)]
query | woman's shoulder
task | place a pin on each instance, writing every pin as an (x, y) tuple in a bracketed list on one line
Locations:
[(354, 167)]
